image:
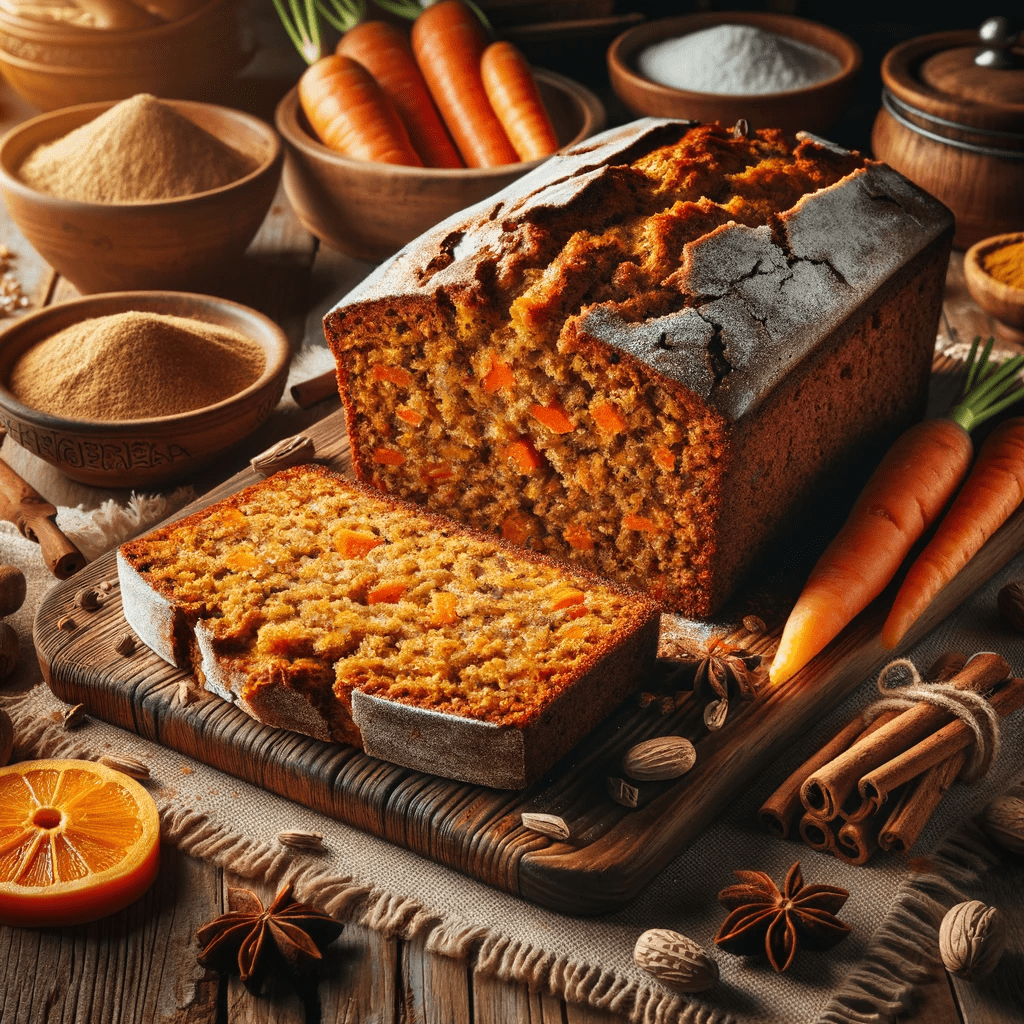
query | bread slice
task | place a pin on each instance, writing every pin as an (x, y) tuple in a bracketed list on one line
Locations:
[(321, 606)]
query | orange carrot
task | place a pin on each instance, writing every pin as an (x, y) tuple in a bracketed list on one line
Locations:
[(351, 114), (448, 41), (513, 93), (385, 52), (905, 495), (992, 492)]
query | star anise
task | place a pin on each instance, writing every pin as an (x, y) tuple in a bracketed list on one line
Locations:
[(252, 940), (719, 675), (763, 918)]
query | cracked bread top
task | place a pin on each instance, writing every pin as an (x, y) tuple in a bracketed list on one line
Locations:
[(717, 259)]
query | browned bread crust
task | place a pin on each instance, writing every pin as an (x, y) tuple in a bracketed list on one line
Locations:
[(640, 357), (321, 606)]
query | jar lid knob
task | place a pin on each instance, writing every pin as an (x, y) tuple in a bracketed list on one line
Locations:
[(998, 38)]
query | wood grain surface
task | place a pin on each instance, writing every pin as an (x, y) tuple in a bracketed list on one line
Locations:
[(612, 851), (138, 966)]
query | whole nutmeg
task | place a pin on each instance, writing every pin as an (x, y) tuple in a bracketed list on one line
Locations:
[(8, 649), (675, 960), (1010, 602), (1002, 821), (12, 589), (972, 938), (664, 757)]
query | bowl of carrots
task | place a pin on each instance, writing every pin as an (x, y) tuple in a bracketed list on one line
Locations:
[(180, 49), (395, 131)]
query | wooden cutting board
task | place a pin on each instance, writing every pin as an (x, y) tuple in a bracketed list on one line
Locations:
[(613, 850)]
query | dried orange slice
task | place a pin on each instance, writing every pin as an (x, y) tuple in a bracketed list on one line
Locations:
[(78, 840)]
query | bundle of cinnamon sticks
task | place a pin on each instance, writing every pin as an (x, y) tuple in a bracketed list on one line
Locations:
[(876, 784)]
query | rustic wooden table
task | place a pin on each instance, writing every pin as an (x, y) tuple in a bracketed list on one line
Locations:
[(139, 965)]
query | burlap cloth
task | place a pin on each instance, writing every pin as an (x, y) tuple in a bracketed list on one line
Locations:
[(871, 975)]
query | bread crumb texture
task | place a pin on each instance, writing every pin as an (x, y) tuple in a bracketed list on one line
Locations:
[(485, 398), (308, 582)]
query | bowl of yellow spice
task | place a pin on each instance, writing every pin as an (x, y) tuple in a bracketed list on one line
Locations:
[(994, 271), (140, 194), (132, 389)]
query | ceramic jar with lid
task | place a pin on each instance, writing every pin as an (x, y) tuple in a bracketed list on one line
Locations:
[(952, 120)]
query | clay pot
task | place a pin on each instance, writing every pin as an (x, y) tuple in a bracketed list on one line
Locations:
[(53, 65), (957, 130)]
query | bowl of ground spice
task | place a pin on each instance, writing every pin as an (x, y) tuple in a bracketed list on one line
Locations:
[(60, 52), (142, 194), (133, 389), (771, 70), (994, 270)]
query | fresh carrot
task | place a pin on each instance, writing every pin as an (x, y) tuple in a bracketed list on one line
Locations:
[(992, 492), (515, 98), (352, 115), (385, 52), (903, 497), (448, 41)]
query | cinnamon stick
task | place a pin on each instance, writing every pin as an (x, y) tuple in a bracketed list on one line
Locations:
[(308, 392), (817, 834), (916, 804), (876, 785), (856, 841), (779, 812), (35, 518), (826, 790)]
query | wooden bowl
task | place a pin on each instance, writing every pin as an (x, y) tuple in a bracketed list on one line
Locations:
[(370, 210), (813, 108), (174, 243), (140, 453), (53, 65), (956, 130), (1000, 300)]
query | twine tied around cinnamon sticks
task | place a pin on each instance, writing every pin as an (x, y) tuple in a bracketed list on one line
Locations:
[(971, 708), (877, 782)]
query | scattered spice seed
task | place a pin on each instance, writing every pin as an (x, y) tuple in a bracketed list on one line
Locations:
[(187, 692), (89, 599), (622, 792), (125, 645), (753, 624), (308, 841), (131, 766), (715, 714), (74, 716), (292, 451), (546, 824), (67, 624)]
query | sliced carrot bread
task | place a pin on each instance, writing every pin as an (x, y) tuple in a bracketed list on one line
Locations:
[(320, 606), (642, 356)]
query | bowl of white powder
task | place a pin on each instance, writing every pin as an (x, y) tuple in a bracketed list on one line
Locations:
[(773, 70)]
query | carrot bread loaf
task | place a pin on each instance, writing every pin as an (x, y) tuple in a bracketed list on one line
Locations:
[(320, 606), (642, 355)]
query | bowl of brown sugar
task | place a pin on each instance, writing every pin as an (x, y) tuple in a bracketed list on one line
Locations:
[(140, 194), (132, 389)]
